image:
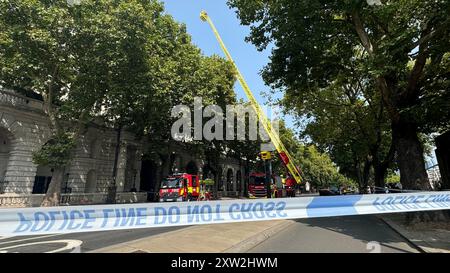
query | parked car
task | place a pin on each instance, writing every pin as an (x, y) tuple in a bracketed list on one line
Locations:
[(330, 191), (348, 190), (381, 190)]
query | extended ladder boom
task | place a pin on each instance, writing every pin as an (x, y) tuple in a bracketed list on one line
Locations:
[(281, 149)]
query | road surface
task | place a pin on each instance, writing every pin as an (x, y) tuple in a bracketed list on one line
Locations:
[(89, 241), (354, 234), (360, 234)]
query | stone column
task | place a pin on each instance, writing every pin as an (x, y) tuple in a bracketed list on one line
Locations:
[(21, 171)]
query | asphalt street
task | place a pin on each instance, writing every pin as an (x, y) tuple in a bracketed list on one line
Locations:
[(89, 241), (354, 234)]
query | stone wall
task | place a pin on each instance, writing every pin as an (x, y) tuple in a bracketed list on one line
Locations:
[(24, 128)]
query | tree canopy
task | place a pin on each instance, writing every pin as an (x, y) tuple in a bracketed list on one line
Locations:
[(400, 48), (316, 167), (124, 62)]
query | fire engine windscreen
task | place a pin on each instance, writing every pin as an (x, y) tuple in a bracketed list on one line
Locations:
[(257, 180), (171, 183)]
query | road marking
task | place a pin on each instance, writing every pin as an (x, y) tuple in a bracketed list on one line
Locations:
[(74, 245), (29, 239)]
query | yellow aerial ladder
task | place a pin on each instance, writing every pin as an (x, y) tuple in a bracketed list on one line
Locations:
[(284, 154)]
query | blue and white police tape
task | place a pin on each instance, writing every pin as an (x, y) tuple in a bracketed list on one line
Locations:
[(60, 220)]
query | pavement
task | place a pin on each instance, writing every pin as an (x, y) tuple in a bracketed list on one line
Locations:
[(228, 238), (427, 237)]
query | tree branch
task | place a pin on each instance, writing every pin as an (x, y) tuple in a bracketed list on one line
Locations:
[(386, 96), (430, 34), (417, 71), (48, 103), (363, 36), (81, 125)]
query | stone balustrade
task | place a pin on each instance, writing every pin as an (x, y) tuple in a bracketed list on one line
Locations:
[(11, 98), (72, 199)]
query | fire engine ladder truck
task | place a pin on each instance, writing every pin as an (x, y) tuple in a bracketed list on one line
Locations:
[(281, 149)]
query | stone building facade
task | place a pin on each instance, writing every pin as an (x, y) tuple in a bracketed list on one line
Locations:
[(24, 129), (229, 174)]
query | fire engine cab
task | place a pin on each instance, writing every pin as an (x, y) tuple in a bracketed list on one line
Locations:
[(179, 187), (257, 185)]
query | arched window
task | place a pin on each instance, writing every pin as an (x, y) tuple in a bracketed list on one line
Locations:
[(5, 148), (149, 174), (208, 172), (42, 179)]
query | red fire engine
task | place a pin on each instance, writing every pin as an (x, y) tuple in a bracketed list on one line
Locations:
[(290, 186), (179, 187), (257, 187)]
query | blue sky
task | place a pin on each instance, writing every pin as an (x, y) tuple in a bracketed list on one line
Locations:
[(248, 59)]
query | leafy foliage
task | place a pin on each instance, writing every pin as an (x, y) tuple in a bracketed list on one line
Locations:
[(398, 50), (124, 62), (317, 167), (57, 152)]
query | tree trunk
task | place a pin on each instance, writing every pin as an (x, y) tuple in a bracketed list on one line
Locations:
[(410, 159), (413, 175), (381, 167), (53, 195), (380, 175), (363, 175), (366, 173), (358, 175)]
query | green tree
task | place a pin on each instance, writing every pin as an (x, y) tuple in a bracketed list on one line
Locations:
[(124, 61), (402, 46), (52, 49), (316, 167), (349, 121), (188, 74)]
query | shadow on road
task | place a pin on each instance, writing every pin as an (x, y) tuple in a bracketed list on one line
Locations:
[(366, 228)]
